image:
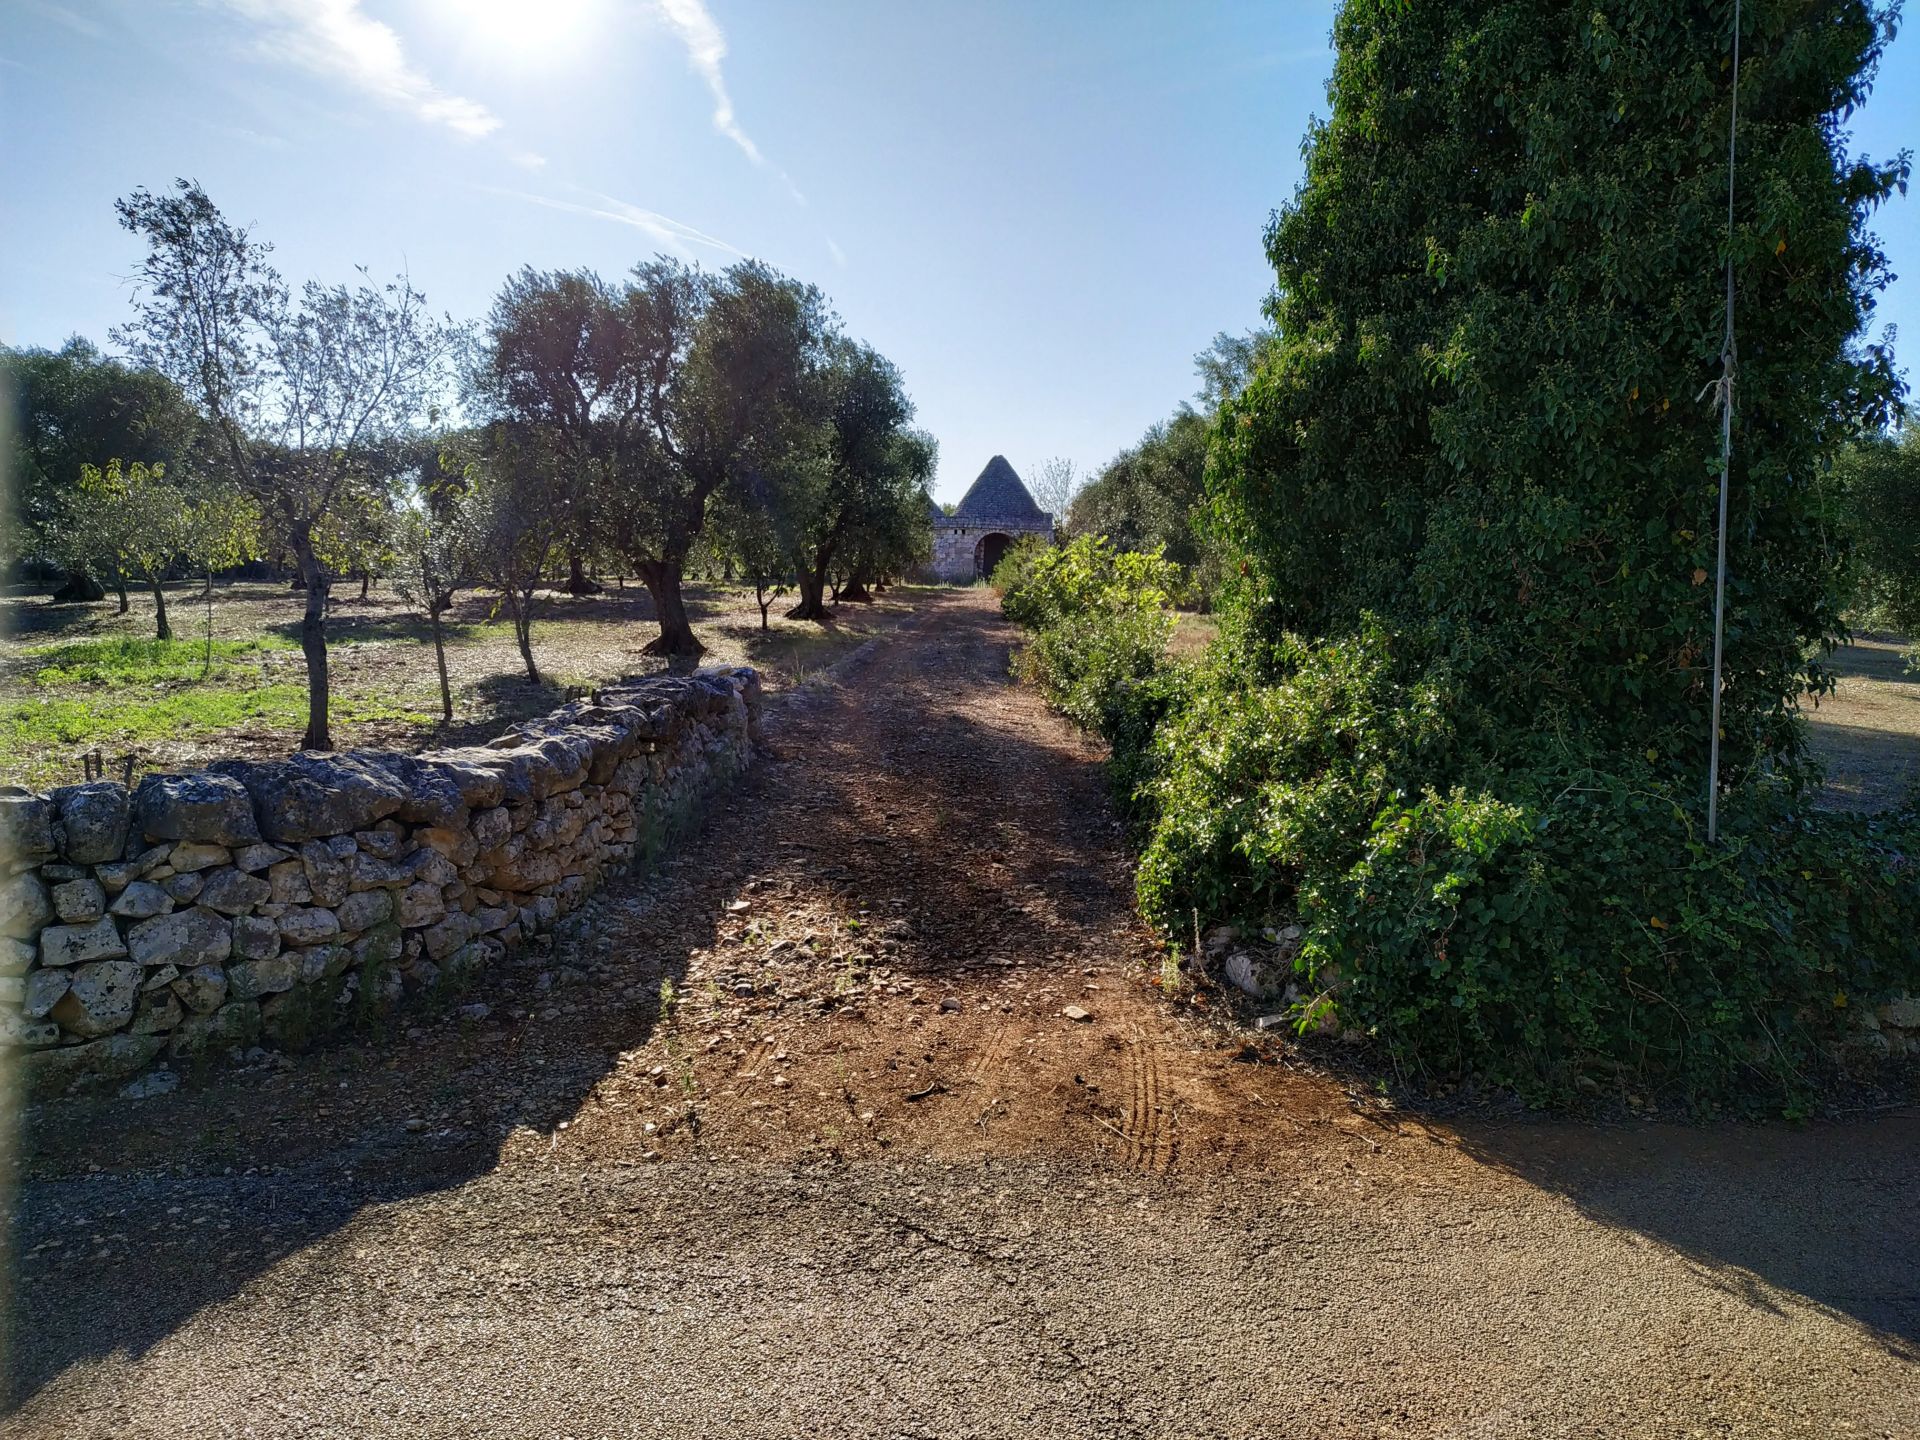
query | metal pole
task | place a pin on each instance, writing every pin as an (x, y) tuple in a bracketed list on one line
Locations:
[(1720, 606), (1726, 459)]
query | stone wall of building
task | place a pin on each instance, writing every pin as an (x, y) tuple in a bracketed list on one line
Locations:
[(956, 543), (274, 901)]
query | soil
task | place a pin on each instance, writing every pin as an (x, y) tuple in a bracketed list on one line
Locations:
[(865, 1115), (1867, 732), (380, 652)]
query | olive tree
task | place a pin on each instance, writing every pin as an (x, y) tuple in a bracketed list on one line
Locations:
[(297, 390), (72, 407), (649, 396), (130, 521), (867, 468), (513, 523), (426, 570)]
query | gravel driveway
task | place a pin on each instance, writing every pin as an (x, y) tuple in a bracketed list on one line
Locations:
[(799, 1138)]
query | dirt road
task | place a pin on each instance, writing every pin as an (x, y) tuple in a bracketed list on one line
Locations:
[(795, 1137)]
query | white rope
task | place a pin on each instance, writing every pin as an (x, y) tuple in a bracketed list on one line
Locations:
[(1723, 396)]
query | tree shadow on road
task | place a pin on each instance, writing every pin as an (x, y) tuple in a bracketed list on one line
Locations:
[(1780, 1216), (154, 1210)]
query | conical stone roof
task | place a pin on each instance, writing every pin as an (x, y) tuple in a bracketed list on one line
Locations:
[(999, 494)]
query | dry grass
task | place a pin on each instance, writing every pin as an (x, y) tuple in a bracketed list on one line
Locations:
[(81, 677), (1867, 733)]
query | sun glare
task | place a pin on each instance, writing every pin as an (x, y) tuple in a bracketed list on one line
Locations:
[(525, 32)]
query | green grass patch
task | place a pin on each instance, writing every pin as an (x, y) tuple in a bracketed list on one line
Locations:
[(42, 736), (125, 660)]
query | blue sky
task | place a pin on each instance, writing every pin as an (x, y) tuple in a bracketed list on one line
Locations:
[(1040, 211)]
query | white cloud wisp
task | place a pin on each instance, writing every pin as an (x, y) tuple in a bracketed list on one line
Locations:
[(337, 39), (665, 231), (706, 48)]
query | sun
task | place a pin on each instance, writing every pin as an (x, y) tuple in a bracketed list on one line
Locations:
[(531, 33)]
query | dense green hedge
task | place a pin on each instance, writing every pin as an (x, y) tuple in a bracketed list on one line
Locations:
[(1457, 721), (1530, 921)]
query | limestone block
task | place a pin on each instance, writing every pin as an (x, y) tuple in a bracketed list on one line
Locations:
[(421, 904), (312, 795), (25, 906), (186, 938), (79, 944), (113, 1058), (183, 889), (433, 868), (93, 818), (382, 843), (233, 1026), (308, 926), (250, 979), (322, 962), (16, 956), (255, 937), (209, 808), (381, 945), (79, 902), (193, 855), (287, 880), (233, 892), (448, 936), (458, 847), (258, 856), (326, 871), (203, 988), (118, 874), (492, 827), (369, 872), (44, 989), (141, 900), (100, 998), (1903, 1013), (26, 829), (364, 910), (492, 919), (157, 1012)]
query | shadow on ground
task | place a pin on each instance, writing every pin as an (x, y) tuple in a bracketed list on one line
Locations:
[(923, 788)]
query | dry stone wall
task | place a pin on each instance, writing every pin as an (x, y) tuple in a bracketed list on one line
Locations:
[(274, 901)]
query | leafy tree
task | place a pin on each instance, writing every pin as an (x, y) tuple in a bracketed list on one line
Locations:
[(1878, 485), (75, 407), (1146, 497), (426, 569), (893, 536), (865, 468), (1499, 293), (514, 524), (651, 396), (1055, 483), (1227, 364), (131, 521), (751, 531), (298, 393)]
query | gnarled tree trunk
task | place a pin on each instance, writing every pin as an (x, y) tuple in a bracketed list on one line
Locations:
[(662, 579), (440, 659), (78, 586), (578, 582), (161, 629), (313, 641)]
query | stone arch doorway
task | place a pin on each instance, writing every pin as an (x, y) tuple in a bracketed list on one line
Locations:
[(988, 551)]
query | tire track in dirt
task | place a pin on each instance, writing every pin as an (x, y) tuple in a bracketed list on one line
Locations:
[(1149, 1126)]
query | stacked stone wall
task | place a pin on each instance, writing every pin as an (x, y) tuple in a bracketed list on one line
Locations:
[(955, 540), (274, 901)]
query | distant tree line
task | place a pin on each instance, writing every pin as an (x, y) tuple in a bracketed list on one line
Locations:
[(669, 419), (1151, 496)]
